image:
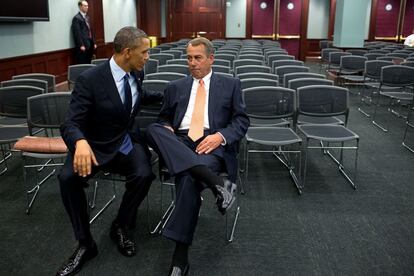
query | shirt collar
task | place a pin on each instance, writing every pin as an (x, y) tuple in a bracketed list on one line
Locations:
[(83, 14), (117, 71), (206, 77)]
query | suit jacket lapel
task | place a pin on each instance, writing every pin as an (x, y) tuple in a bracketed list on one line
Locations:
[(112, 90), (213, 98), (184, 96)]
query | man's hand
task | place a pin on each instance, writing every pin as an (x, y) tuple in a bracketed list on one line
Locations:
[(209, 143), (83, 158), (83, 48), (95, 46)]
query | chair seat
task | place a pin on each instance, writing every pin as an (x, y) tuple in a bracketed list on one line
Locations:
[(259, 122), (272, 136), (303, 119), (8, 121), (34, 144), (404, 96), (11, 134), (328, 133), (353, 78)]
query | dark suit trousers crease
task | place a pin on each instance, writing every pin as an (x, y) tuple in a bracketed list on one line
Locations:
[(135, 167), (178, 154)]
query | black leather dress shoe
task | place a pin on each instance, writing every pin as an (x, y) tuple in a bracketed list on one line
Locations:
[(120, 236), (226, 195), (81, 255), (177, 271)]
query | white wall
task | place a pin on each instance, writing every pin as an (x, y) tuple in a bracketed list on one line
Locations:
[(318, 20), (17, 39), (118, 14), (235, 18)]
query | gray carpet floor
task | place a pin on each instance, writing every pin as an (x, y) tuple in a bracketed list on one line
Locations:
[(329, 230)]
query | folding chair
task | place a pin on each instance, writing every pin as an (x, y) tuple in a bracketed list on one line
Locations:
[(151, 66), (398, 76), (47, 112), (256, 82), (74, 71), (174, 68), (261, 75), (323, 101), (272, 103), (286, 69), (299, 75), (99, 61), (180, 61), (168, 76), (162, 58), (50, 79), (251, 69)]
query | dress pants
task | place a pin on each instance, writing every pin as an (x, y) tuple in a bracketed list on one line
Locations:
[(84, 56), (178, 153), (135, 167)]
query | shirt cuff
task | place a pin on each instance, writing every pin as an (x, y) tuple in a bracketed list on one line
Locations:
[(224, 139)]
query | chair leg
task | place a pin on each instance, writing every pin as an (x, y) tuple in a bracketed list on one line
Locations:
[(93, 203), (5, 154), (408, 125), (286, 161), (375, 114)]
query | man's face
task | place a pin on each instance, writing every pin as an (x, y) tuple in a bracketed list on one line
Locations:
[(138, 56), (198, 62), (84, 7)]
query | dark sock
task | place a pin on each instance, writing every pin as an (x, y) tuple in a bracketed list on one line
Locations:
[(180, 257), (204, 174)]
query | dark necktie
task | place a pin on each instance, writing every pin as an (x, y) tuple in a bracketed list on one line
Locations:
[(89, 26), (127, 94)]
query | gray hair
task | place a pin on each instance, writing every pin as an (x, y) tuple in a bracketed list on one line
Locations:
[(127, 37), (203, 41)]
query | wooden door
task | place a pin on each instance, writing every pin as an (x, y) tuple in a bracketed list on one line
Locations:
[(407, 24), (289, 25), (191, 18), (387, 20)]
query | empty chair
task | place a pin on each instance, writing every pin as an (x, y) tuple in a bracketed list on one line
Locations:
[(398, 76), (228, 57), (399, 55), (224, 74), (373, 56), (351, 69), (242, 62), (320, 101), (256, 82), (272, 52), (298, 75), (278, 63), (51, 79), (408, 63), (325, 44), (183, 56), (227, 52), (151, 66), (169, 76), (175, 53), (221, 62), (178, 61), (164, 46), (335, 60), (176, 68), (258, 75), (162, 58), (272, 58), (219, 68), (74, 71), (99, 61), (396, 60), (379, 51), (301, 82), (251, 68), (251, 52), (153, 85), (357, 52), (282, 70), (154, 50), (26, 82), (273, 103), (255, 57)]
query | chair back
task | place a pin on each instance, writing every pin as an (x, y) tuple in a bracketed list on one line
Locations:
[(373, 68), (269, 102), (292, 76), (26, 82), (256, 82), (99, 61), (155, 85), (176, 53), (286, 69), (242, 62), (219, 68), (272, 58), (323, 101), (151, 66), (162, 58), (252, 68), (47, 111), (13, 100), (74, 71), (252, 56), (221, 62), (408, 63), (326, 51), (335, 57), (373, 56), (278, 63), (296, 83), (260, 75), (169, 76), (51, 79), (180, 61), (397, 75), (357, 52), (354, 63), (175, 68)]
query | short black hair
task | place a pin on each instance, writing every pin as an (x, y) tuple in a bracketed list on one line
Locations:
[(127, 38)]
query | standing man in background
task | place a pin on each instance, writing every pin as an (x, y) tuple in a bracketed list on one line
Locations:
[(82, 34)]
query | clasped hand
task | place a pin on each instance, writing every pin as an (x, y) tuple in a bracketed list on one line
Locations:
[(209, 143)]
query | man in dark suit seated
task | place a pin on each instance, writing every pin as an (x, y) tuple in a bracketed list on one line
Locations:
[(83, 35), (100, 135), (200, 125)]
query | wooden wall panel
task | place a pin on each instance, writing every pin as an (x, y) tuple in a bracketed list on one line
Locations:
[(149, 17)]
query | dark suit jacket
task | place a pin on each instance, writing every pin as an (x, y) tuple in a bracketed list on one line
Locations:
[(97, 113), (81, 32), (226, 113)]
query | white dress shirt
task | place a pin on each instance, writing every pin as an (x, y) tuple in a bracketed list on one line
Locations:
[(118, 74)]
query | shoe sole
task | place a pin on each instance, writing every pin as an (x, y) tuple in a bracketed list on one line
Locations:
[(233, 189)]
